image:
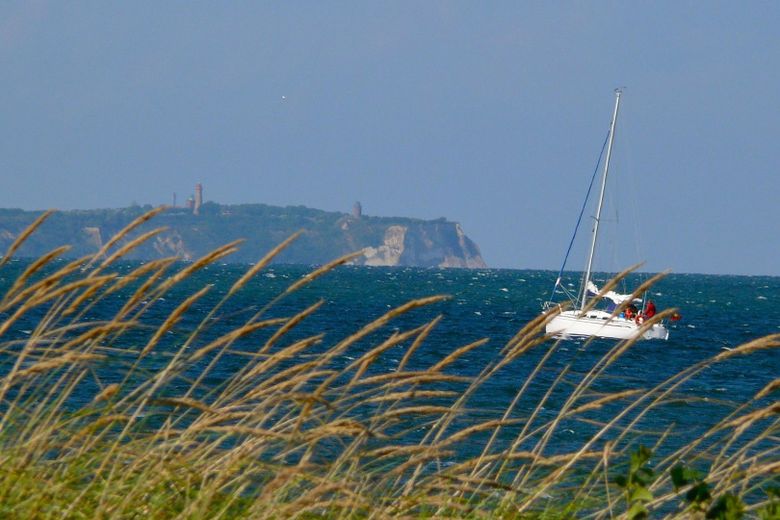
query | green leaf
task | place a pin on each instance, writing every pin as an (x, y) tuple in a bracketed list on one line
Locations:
[(621, 481), (679, 477), (682, 476), (639, 457), (637, 511), (643, 476), (641, 494), (699, 493), (727, 507)]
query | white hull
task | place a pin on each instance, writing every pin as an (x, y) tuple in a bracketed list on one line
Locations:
[(597, 323)]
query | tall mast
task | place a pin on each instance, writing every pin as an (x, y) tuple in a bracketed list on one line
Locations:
[(601, 199)]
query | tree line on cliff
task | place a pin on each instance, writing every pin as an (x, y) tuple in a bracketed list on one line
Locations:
[(325, 234)]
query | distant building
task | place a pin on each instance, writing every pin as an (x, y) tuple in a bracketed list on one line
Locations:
[(198, 199), (190, 204), (174, 199), (357, 210)]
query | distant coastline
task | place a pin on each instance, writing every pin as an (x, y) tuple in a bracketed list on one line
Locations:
[(197, 228)]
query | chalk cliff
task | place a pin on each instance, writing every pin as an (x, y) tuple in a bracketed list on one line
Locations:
[(326, 235), (425, 244)]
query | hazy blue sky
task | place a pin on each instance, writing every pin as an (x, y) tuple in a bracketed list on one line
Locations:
[(491, 114)]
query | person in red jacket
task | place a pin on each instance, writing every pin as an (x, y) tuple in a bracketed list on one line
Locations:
[(650, 310)]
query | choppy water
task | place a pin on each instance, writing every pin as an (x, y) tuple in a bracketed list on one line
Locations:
[(719, 312)]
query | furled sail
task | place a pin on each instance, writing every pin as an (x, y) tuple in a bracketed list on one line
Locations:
[(615, 297)]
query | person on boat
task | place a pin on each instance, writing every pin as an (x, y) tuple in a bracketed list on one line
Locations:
[(650, 310), (631, 311)]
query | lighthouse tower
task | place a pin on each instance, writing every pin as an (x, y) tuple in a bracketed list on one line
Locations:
[(198, 199)]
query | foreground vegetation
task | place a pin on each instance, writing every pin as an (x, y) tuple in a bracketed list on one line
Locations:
[(299, 432)]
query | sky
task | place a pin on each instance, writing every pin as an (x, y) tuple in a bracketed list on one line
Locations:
[(488, 114)]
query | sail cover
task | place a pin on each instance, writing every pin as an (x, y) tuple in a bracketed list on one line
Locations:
[(617, 298)]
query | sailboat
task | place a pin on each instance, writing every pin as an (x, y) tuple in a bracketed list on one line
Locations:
[(584, 319)]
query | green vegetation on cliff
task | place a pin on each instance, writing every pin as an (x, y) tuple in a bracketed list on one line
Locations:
[(326, 235)]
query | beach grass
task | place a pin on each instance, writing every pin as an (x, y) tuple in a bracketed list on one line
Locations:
[(114, 419)]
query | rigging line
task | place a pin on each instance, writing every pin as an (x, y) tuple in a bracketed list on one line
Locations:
[(637, 212), (579, 219)]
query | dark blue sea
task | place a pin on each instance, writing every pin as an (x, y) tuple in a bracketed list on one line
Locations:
[(718, 314)]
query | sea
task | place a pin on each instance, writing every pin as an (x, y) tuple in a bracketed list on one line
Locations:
[(718, 314)]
